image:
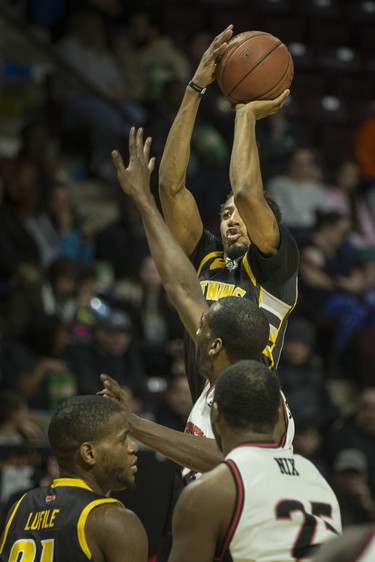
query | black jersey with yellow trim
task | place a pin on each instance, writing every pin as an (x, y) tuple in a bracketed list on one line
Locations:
[(49, 523), (270, 281)]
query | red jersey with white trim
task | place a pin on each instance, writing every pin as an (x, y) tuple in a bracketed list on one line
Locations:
[(199, 423), (284, 507)]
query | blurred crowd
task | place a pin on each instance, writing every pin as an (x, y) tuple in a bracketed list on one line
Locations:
[(77, 300)]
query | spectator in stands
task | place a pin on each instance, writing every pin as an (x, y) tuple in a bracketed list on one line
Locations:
[(123, 243), (302, 377), (39, 149), (308, 442), (351, 486), (334, 284), (156, 323), (277, 137), (364, 152), (93, 90), (356, 432), (299, 191), (346, 197), (364, 149), (13, 418), (161, 118), (149, 57), (60, 230), (175, 406), (54, 292), (113, 350), (47, 379), (19, 200)]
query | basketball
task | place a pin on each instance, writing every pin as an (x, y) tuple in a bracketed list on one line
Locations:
[(255, 66)]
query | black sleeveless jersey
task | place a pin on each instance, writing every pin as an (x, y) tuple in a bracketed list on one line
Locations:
[(48, 524), (271, 282)]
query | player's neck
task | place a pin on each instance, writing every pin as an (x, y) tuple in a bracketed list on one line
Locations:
[(86, 478), (234, 438)]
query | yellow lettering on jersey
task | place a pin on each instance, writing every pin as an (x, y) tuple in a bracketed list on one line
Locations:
[(212, 290), (41, 519), (53, 515), (26, 547), (215, 290), (225, 290), (238, 292), (204, 286)]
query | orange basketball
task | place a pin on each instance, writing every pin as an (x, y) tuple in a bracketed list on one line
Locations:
[(255, 66)]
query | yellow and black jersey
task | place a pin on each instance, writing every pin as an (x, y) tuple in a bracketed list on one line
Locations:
[(48, 524), (271, 282)]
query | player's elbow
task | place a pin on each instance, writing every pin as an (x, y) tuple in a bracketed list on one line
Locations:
[(244, 198)]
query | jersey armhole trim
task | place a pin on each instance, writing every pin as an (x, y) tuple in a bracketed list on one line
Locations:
[(238, 507), (82, 522), (208, 257)]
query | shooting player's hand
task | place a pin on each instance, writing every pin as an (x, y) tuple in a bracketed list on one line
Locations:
[(264, 108)]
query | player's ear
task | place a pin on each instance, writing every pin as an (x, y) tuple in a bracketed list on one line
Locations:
[(216, 347), (215, 414), (87, 452)]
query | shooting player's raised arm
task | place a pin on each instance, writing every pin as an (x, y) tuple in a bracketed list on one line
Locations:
[(179, 207)]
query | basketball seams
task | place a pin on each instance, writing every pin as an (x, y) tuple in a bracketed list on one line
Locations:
[(231, 50), (280, 44)]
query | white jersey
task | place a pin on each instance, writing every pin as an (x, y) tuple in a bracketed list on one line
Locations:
[(367, 551), (199, 423), (284, 506)]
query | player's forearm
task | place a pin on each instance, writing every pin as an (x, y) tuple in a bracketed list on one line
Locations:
[(177, 273), (196, 453), (245, 175), (247, 185), (176, 154)]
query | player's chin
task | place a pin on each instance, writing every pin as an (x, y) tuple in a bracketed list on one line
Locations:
[(128, 482), (236, 250)]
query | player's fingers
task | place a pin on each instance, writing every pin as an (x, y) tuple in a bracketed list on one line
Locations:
[(131, 141), (118, 162), (224, 35), (151, 164), (220, 50), (282, 97), (139, 140), (147, 147)]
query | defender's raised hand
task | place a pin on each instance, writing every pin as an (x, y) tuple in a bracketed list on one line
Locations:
[(135, 178)]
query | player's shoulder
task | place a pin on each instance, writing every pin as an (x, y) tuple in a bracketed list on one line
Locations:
[(111, 518), (104, 532)]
